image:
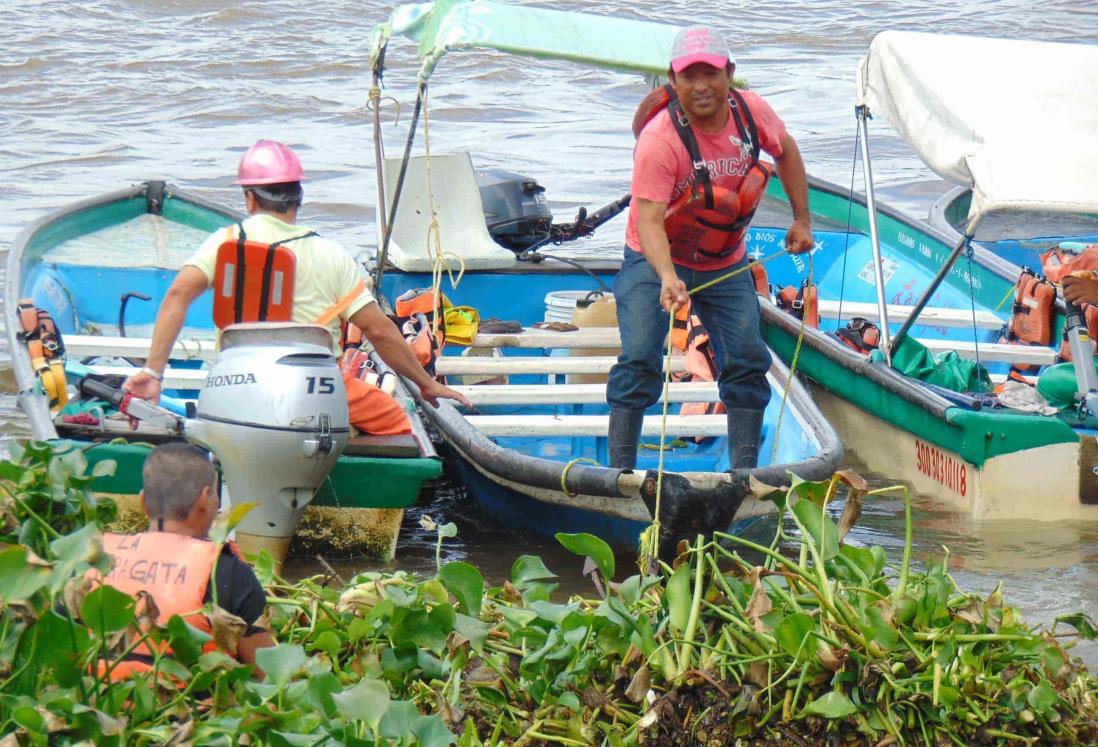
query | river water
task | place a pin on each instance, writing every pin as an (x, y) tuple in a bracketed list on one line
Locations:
[(99, 94)]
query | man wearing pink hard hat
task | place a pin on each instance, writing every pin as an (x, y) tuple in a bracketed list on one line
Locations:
[(326, 277), (697, 180)]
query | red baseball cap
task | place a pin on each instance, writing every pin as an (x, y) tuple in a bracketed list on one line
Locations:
[(699, 44)]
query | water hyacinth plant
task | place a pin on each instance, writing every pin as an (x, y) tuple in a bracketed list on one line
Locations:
[(733, 643)]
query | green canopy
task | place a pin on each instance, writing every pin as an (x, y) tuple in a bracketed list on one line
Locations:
[(600, 41)]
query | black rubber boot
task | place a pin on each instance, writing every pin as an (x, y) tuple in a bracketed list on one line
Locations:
[(744, 434), (624, 434)]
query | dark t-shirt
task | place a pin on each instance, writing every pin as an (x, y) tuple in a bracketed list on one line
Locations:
[(238, 590)]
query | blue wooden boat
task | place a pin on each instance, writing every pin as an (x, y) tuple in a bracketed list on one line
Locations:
[(100, 267), (533, 452)]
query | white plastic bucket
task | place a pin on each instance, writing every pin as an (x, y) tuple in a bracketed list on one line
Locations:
[(559, 305)]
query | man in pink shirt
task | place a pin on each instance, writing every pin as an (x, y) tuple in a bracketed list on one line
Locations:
[(696, 180)]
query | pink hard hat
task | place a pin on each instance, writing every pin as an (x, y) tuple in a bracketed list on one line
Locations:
[(699, 44), (269, 162)]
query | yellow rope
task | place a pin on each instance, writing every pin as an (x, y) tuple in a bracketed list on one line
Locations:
[(650, 539), (440, 260), (564, 474), (789, 378)]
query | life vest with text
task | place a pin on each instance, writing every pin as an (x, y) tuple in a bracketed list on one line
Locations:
[(707, 222), (174, 570), (253, 281)]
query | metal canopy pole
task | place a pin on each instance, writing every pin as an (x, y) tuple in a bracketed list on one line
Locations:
[(862, 113), (943, 271)]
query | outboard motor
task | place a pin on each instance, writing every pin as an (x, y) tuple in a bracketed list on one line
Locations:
[(274, 411), (515, 208)]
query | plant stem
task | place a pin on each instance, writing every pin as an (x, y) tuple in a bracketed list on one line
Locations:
[(695, 606)]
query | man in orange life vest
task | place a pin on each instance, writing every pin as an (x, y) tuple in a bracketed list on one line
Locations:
[(696, 183), (326, 278), (173, 561)]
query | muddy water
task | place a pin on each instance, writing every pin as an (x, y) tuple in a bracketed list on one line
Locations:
[(99, 94)]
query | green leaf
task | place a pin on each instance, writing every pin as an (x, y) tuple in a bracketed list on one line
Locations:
[(185, 639), (824, 533), (473, 629), (322, 688), (832, 705), (106, 610), (449, 529), (416, 627), (813, 491), (29, 718), (1083, 625), (281, 663), (224, 524), (464, 582), (367, 701), (398, 720), (882, 632), (794, 634), (328, 642), (60, 645), (104, 468), (431, 731), (1042, 697), (529, 568), (679, 598), (590, 546), (18, 578)]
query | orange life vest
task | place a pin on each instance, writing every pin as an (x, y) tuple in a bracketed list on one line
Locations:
[(802, 302), (758, 275), (701, 365), (420, 317), (175, 571), (707, 222), (253, 281), (46, 350), (1032, 313), (1057, 263), (860, 334)]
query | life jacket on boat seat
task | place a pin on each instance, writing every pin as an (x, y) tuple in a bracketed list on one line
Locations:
[(1031, 316), (707, 222), (371, 403), (701, 365), (253, 281), (860, 335), (802, 302), (1059, 262), (46, 350), (758, 275), (1090, 315), (421, 319), (175, 571)]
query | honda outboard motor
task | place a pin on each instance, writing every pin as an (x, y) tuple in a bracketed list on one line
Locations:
[(515, 208), (274, 411)]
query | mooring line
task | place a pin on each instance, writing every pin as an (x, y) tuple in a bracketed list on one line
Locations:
[(651, 538)]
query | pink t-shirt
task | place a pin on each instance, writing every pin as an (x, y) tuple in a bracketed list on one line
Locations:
[(662, 169)]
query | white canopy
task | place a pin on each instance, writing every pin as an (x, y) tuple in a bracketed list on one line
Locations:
[(1015, 120)]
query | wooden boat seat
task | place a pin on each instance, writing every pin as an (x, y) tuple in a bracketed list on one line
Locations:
[(594, 425), (544, 394), (994, 352), (364, 444)]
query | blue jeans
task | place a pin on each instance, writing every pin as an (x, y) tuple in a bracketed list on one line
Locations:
[(730, 312)]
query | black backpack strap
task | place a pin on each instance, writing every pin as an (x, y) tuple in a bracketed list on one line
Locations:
[(750, 132), (686, 135), (268, 273), (238, 297)]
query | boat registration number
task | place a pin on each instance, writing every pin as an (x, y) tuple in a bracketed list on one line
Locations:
[(948, 471)]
